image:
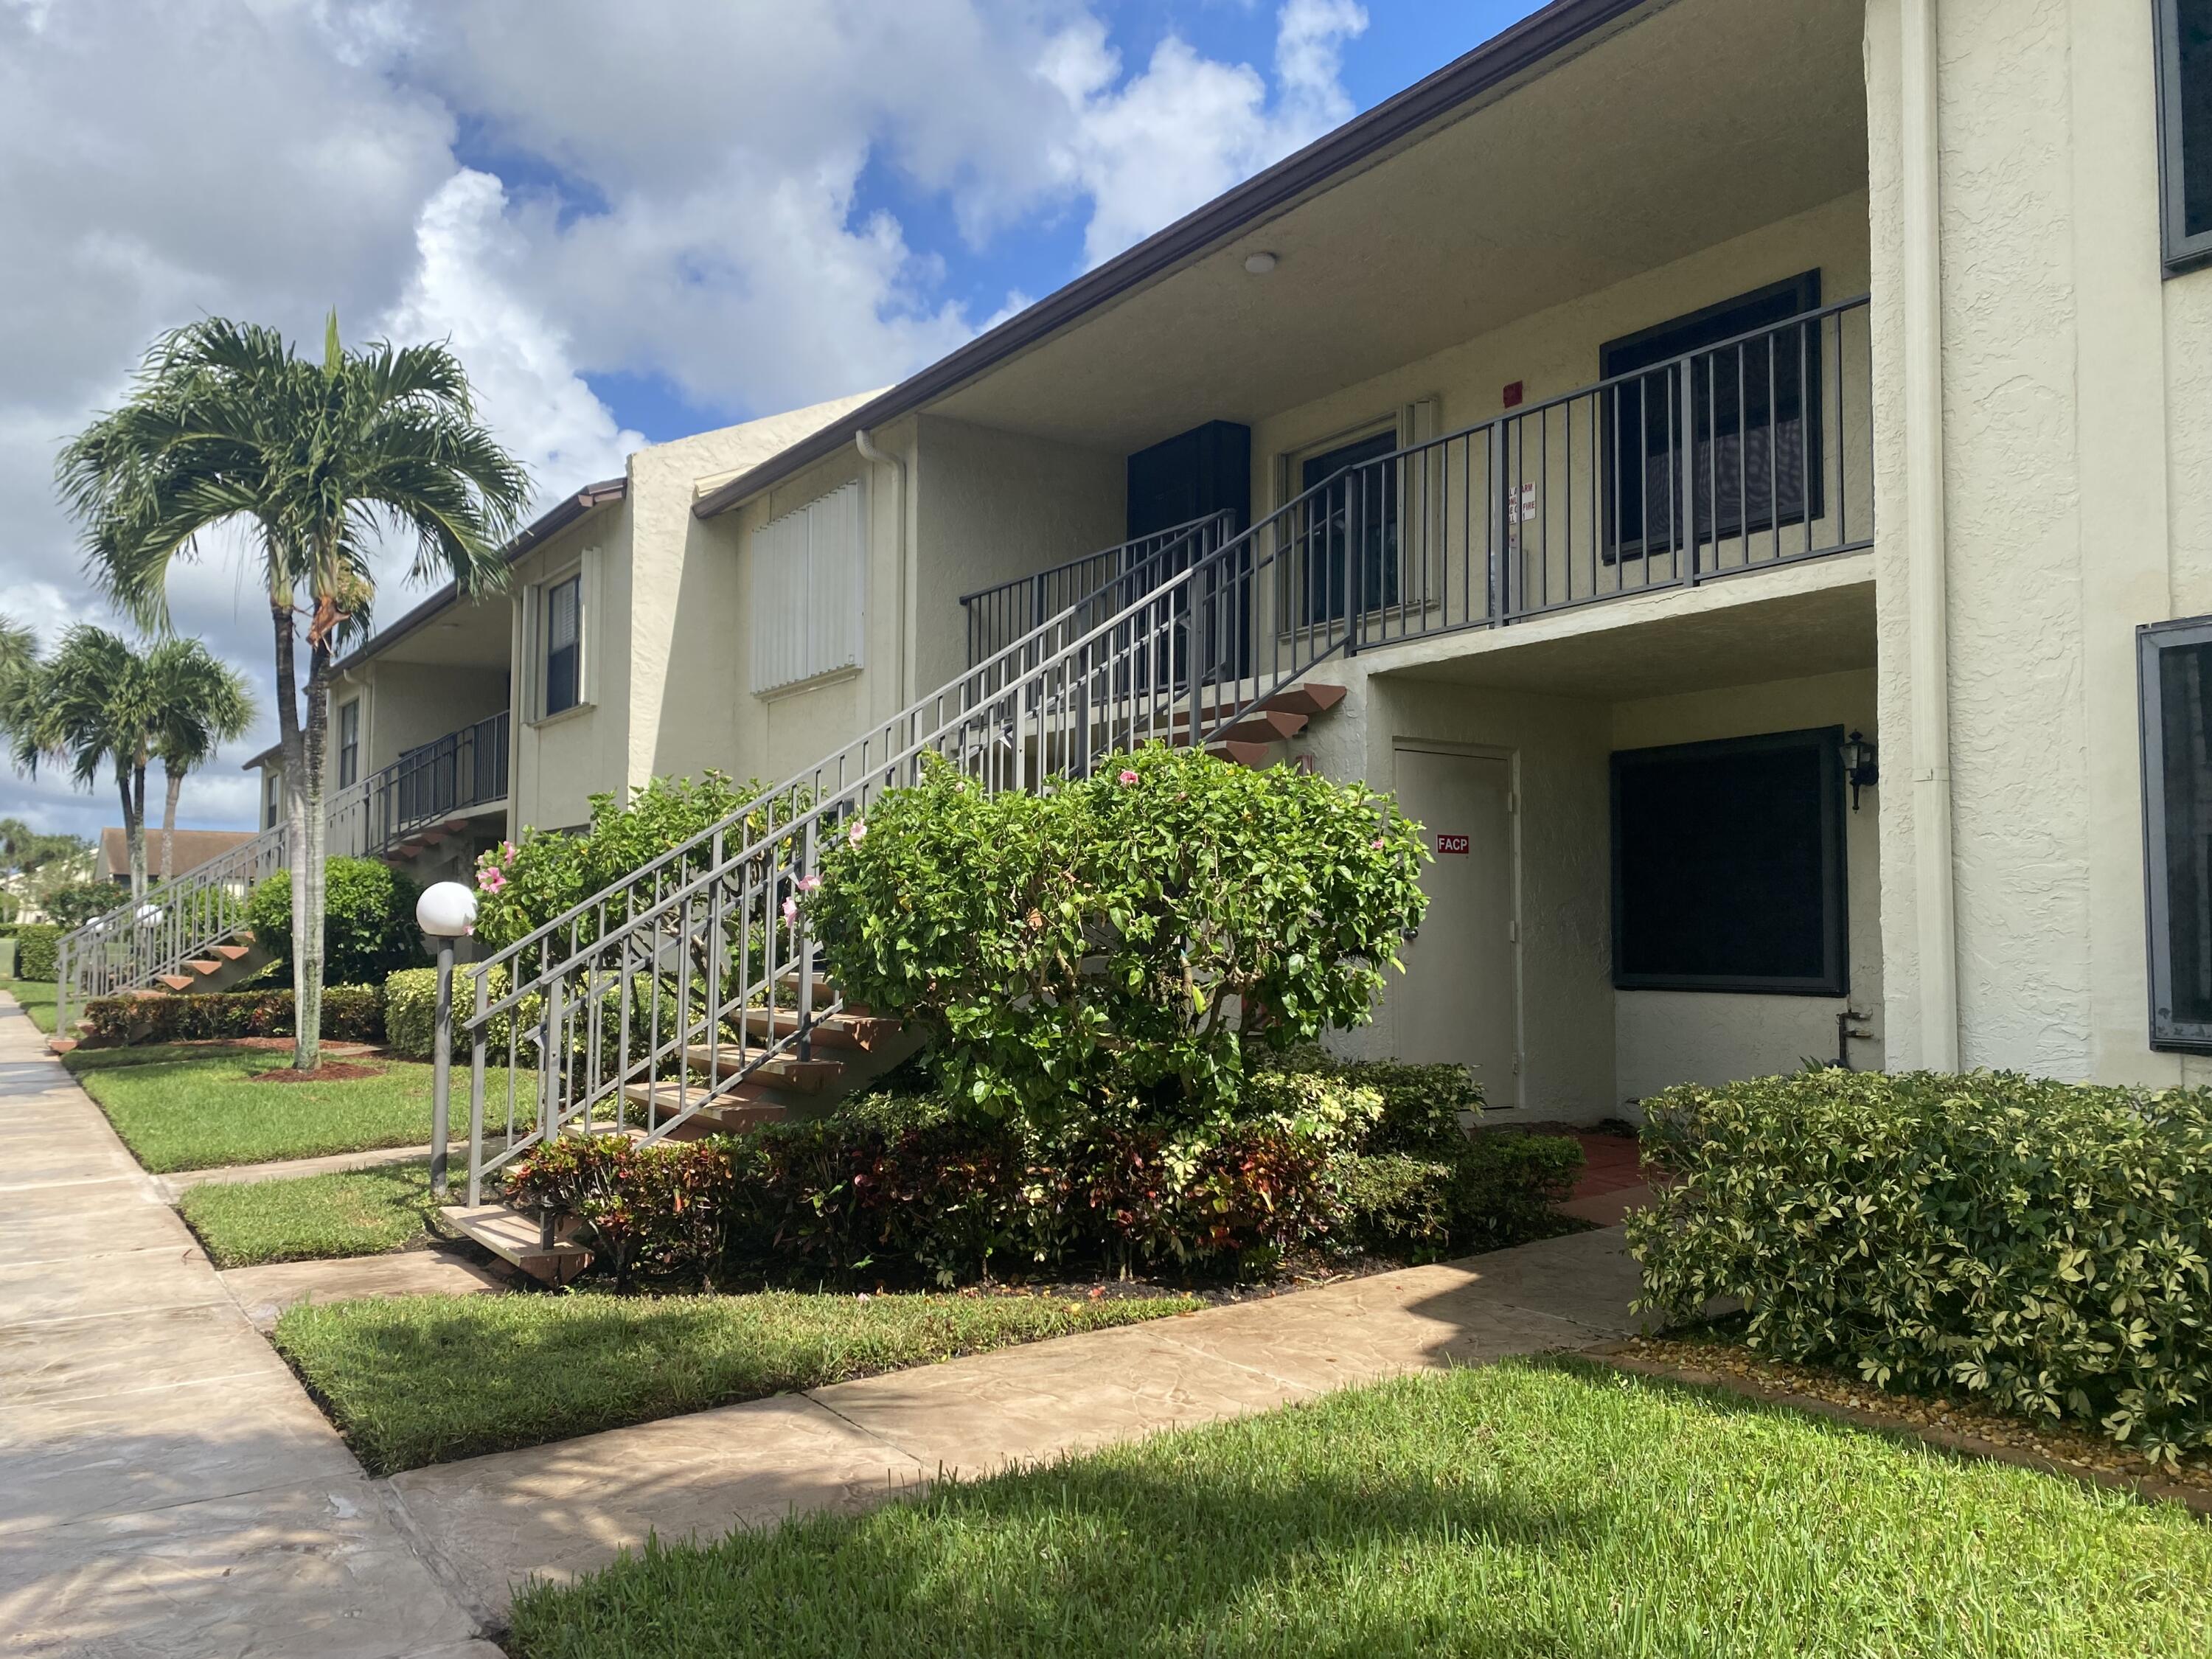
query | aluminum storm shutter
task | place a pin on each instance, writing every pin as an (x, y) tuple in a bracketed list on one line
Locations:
[(809, 598)]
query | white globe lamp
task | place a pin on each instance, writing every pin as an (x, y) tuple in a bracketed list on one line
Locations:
[(447, 911)]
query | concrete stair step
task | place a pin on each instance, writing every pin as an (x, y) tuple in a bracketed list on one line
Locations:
[(513, 1236), (204, 966), (233, 952), (846, 1029), (1243, 754), (1307, 697), (1263, 725), (734, 1118), (177, 982), (810, 1077)]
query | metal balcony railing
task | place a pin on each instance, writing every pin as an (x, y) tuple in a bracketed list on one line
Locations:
[(1102, 583), (458, 773)]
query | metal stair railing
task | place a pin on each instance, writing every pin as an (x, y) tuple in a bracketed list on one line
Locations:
[(694, 964), (670, 991), (1099, 583), (132, 946)]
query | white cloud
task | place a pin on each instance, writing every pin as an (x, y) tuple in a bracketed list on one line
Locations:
[(677, 194)]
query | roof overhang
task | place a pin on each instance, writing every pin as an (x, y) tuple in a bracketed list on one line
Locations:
[(1536, 43), (541, 530)]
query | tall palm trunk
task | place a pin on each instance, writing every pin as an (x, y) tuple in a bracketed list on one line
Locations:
[(173, 783), (308, 912), (134, 823), (307, 1040)]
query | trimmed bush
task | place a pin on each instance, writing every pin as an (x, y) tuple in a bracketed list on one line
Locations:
[(368, 920), (36, 956), (2047, 1246), (351, 1013), (1132, 935), (903, 1190), (410, 1014)]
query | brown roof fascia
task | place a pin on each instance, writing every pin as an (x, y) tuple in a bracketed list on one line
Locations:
[(1506, 55)]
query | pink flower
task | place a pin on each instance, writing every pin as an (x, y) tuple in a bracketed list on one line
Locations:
[(791, 909), (1376, 843), (1127, 776), (858, 832), (808, 883), (491, 880)]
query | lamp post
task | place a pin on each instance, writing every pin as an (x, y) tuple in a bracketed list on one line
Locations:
[(447, 911)]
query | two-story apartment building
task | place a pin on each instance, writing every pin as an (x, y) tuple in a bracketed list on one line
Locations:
[(1737, 460)]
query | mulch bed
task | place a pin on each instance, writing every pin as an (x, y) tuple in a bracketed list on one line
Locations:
[(330, 1071), (1959, 1425)]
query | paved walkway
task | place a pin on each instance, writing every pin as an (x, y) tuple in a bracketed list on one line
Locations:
[(167, 1489), (556, 1510)]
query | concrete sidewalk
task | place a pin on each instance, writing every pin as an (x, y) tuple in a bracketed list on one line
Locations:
[(556, 1510), (166, 1489)]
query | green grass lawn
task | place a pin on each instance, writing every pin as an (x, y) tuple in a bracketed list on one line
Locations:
[(38, 997), (182, 1108), (1537, 1509), (307, 1218), (419, 1379)]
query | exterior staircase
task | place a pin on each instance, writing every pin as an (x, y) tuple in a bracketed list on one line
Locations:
[(683, 1000)]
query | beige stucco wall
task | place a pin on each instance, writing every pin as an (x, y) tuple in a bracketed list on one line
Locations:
[(1663, 1037), (992, 506), (1555, 351), (2076, 390), (560, 761)]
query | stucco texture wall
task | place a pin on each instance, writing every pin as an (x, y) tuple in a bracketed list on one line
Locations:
[(2073, 384)]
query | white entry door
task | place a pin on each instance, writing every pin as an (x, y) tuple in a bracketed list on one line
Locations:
[(1460, 998)]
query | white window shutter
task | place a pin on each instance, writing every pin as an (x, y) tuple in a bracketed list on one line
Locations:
[(809, 591)]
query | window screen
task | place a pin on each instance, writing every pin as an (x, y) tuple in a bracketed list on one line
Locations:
[(808, 591), (2177, 755), (1351, 535), (1753, 409), (564, 636), (2185, 127), (1727, 868), (350, 744)]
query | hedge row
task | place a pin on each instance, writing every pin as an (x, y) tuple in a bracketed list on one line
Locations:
[(2046, 1245), (898, 1188), (36, 956), (351, 1013)]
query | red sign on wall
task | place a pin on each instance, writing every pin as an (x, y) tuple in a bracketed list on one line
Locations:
[(1451, 844)]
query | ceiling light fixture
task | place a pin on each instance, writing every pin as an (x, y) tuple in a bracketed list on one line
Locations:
[(1260, 264)]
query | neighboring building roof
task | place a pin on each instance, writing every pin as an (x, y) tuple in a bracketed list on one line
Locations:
[(1511, 52), (193, 848), (541, 529)]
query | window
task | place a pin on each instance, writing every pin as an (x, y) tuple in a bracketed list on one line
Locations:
[(1728, 866), (272, 799), (1754, 412), (2175, 684), (808, 591), (2185, 125), (349, 744), (563, 611), (1350, 536)]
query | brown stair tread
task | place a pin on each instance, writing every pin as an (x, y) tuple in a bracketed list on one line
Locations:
[(1263, 725), (176, 982), (1307, 697), (206, 965), (1243, 754), (786, 1071), (844, 1030), (233, 952), (512, 1236)]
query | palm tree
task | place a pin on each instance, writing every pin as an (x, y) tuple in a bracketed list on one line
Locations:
[(201, 702), (92, 703), (225, 425)]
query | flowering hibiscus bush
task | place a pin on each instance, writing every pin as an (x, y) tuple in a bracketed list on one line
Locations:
[(522, 885), (1130, 938)]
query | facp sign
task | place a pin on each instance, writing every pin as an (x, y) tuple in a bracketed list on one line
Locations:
[(1451, 846)]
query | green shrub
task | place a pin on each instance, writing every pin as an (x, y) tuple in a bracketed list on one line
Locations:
[(36, 956), (1129, 935), (368, 920), (351, 1013), (410, 1012), (74, 903), (902, 1189), (1507, 1187), (2045, 1245), (522, 885)]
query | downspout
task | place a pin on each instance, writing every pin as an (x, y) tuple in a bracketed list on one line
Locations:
[(1928, 586), (866, 445)]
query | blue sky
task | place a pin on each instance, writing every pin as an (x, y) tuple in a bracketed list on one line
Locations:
[(632, 223), (1403, 41)]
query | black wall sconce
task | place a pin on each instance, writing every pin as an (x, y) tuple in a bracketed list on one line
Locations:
[(1859, 770)]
